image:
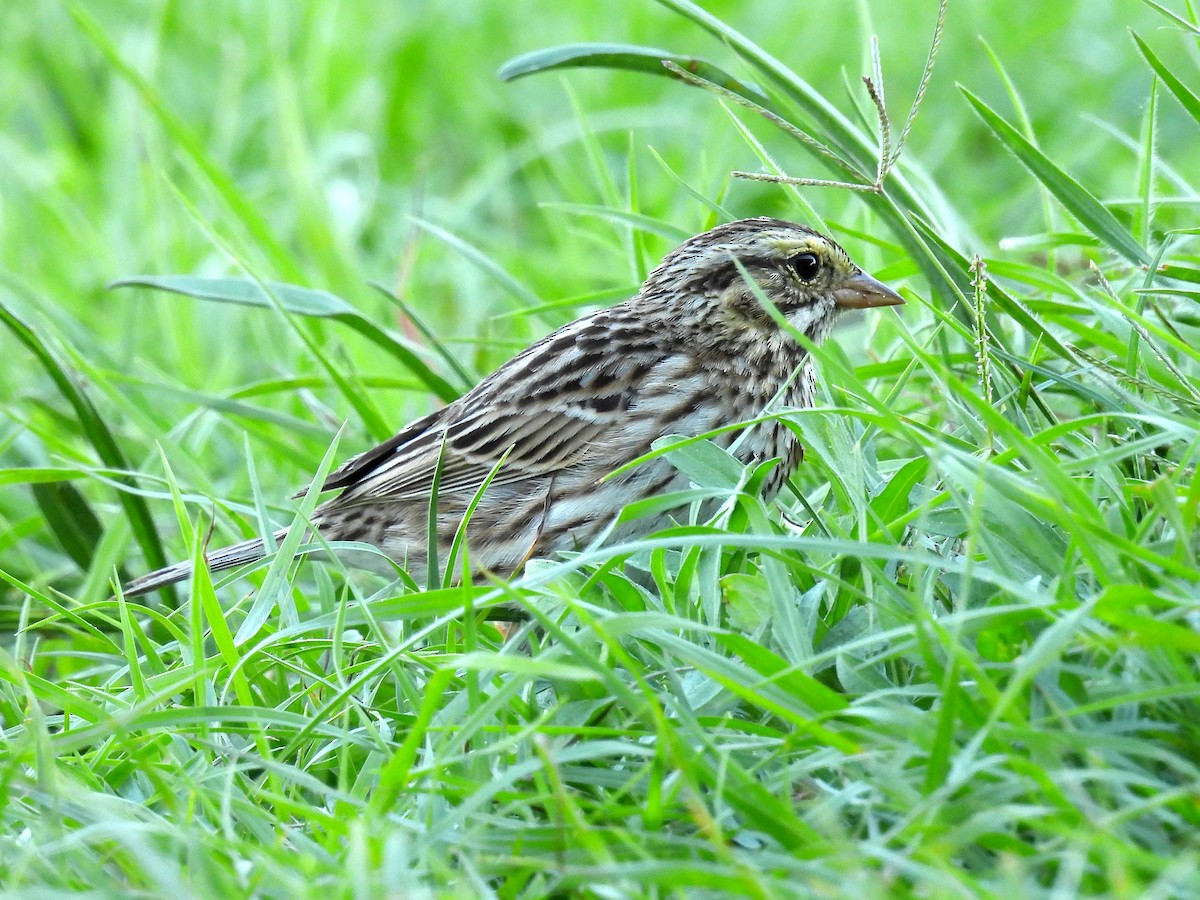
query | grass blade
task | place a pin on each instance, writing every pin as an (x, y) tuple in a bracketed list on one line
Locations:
[(629, 57), (1188, 100), (71, 518), (302, 302), (100, 437), (1094, 216)]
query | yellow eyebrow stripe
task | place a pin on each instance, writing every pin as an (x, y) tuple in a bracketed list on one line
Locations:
[(789, 246)]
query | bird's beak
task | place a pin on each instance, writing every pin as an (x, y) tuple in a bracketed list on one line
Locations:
[(861, 291)]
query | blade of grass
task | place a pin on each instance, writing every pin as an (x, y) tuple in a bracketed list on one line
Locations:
[(1187, 99), (302, 302), (1078, 201), (99, 436), (276, 579), (629, 57)]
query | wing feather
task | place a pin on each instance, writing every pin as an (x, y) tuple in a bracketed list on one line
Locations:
[(540, 445), (549, 408)]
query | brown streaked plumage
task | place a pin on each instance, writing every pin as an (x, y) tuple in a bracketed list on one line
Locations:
[(693, 351)]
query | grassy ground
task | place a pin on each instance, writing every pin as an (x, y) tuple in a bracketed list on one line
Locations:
[(957, 659)]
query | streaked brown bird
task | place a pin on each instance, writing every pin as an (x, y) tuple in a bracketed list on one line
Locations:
[(693, 351)]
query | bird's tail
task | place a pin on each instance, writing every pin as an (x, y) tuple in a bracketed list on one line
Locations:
[(225, 558)]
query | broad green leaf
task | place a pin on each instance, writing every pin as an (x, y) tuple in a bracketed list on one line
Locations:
[(747, 599), (892, 502), (706, 464)]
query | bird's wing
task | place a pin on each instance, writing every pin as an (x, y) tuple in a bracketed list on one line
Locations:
[(413, 436), (539, 441), (550, 408)]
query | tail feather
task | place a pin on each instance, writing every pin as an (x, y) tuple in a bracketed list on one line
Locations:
[(225, 558)]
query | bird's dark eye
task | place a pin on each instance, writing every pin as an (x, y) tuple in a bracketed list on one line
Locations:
[(806, 265)]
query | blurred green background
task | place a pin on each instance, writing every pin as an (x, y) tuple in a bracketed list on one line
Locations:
[(338, 122)]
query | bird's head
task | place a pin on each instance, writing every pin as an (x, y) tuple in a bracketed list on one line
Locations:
[(806, 275)]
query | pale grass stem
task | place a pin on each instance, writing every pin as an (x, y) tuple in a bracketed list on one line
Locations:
[(889, 156)]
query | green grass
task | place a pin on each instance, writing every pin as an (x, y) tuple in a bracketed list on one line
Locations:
[(957, 659)]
